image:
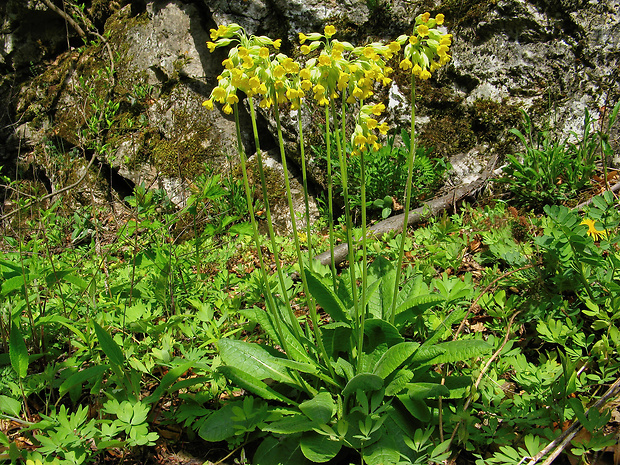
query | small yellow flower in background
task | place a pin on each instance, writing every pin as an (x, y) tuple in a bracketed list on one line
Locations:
[(596, 234), (227, 109), (211, 46), (302, 37), (425, 17), (277, 44), (439, 19), (425, 74), (394, 47), (329, 31), (208, 104)]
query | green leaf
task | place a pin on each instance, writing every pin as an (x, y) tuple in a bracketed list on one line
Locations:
[(167, 381), (382, 452), (255, 359), (79, 378), (320, 408), (10, 406), (110, 348), (12, 284), (252, 384), (18, 352), (416, 407), (363, 381), (275, 451), (290, 425), (319, 448), (426, 390), (394, 357), (219, 426), (416, 306), (455, 351), (326, 297)]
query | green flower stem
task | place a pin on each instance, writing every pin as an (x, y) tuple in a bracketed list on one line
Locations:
[(272, 235), (289, 198), (364, 258), (411, 159), (304, 179), (349, 223), (248, 195), (330, 201)]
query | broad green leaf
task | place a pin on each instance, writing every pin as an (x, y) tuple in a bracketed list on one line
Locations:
[(455, 351), (255, 359), (416, 407), (279, 451), (66, 322), (110, 348), (398, 383), (416, 306), (252, 384), (394, 357), (219, 426), (12, 284), (320, 408), (326, 297), (290, 425), (167, 381), (10, 406), (319, 448), (426, 390), (79, 378), (382, 452), (18, 352), (365, 382)]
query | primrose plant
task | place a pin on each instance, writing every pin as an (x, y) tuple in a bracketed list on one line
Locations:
[(348, 382)]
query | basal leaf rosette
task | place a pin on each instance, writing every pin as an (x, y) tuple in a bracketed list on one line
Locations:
[(427, 48)]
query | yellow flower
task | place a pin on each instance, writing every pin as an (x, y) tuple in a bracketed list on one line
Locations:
[(596, 234), (378, 109), (279, 71), (228, 63), (413, 40), (371, 123), (263, 52), (439, 19), (416, 70), (405, 64), (446, 39), (277, 44), (305, 49), (231, 99), (219, 94), (208, 104), (329, 31), (211, 46), (254, 83), (394, 47), (425, 74), (302, 37), (425, 17), (422, 30), (325, 60), (383, 128), (227, 109), (306, 84), (442, 50), (304, 73)]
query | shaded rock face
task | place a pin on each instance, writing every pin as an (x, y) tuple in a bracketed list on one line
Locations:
[(140, 100)]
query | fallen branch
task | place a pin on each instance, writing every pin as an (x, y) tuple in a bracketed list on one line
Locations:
[(428, 209)]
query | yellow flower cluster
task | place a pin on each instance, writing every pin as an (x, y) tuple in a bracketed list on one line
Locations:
[(336, 70), (427, 48)]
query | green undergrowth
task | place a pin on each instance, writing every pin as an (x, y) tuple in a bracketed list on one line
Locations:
[(110, 344)]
